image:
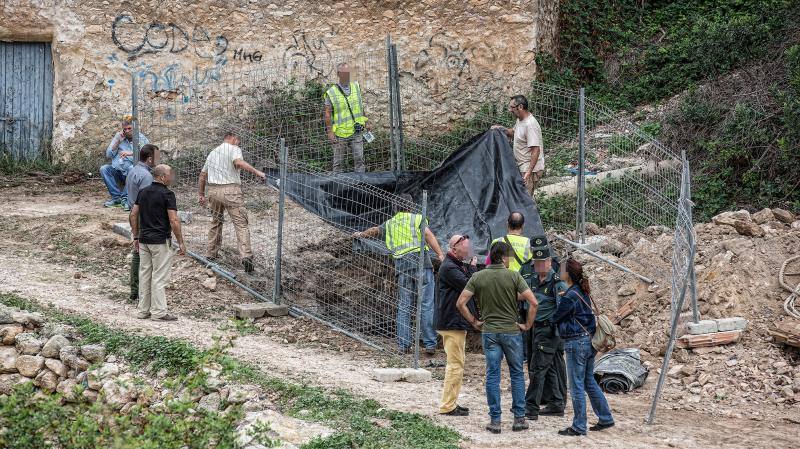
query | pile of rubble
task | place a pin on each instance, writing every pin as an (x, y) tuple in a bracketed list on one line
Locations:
[(51, 357), (739, 256)]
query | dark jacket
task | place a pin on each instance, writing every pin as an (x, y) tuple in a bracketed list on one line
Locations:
[(574, 314), (453, 277)]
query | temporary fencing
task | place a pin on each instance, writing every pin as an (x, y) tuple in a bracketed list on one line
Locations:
[(599, 168)]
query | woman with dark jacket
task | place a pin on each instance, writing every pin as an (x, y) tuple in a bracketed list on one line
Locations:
[(450, 324), (576, 325)]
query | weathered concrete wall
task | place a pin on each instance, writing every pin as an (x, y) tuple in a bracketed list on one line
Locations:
[(479, 47)]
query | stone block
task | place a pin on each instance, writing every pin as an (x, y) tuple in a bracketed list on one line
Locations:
[(783, 215), (258, 310), (418, 375), (123, 229), (731, 324), (702, 327), (387, 374), (53, 346), (401, 374)]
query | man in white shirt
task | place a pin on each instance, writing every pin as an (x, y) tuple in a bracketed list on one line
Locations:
[(527, 136), (221, 174)]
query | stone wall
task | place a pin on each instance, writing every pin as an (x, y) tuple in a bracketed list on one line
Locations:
[(478, 47)]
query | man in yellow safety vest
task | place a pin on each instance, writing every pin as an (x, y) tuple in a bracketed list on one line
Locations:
[(403, 236), (520, 244), (345, 120)]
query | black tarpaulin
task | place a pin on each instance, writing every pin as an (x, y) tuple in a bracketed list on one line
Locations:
[(471, 192)]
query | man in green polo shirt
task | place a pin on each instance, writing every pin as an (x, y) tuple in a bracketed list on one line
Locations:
[(546, 367), (498, 291)]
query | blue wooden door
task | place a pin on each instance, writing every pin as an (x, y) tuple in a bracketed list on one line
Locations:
[(26, 99)]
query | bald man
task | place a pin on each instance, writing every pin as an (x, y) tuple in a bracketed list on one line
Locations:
[(450, 324), (153, 218)]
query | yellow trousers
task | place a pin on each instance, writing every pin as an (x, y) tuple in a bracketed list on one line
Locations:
[(454, 346)]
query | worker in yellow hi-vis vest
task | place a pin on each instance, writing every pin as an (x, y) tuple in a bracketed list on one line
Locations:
[(345, 120), (403, 239)]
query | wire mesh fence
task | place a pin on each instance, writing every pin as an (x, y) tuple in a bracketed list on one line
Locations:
[(629, 178)]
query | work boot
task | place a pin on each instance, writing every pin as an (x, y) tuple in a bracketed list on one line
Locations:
[(570, 432), (457, 412), (531, 417), (247, 262), (600, 426), (466, 409), (125, 206), (520, 424), (143, 315), (548, 411), (165, 317), (494, 427), (112, 202), (430, 351)]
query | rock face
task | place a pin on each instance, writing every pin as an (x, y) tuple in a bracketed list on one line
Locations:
[(444, 46)]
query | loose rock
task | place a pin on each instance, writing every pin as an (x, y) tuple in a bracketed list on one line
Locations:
[(763, 216), (53, 346), (210, 283), (748, 228), (9, 381), (8, 360), (9, 331), (46, 380), (56, 366), (94, 353), (29, 365), (783, 215), (28, 344)]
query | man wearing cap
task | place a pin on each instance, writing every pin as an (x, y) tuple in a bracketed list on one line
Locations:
[(546, 367)]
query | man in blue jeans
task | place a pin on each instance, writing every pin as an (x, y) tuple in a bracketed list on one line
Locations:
[(120, 151), (498, 291), (403, 237)]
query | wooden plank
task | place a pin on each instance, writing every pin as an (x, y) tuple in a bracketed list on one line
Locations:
[(712, 339), (786, 332), (625, 311)]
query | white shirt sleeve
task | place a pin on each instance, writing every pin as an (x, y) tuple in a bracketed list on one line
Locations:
[(533, 134)]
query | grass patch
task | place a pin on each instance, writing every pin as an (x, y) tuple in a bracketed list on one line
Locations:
[(359, 422)]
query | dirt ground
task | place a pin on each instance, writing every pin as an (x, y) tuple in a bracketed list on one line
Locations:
[(56, 247)]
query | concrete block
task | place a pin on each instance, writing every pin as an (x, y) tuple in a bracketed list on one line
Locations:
[(731, 324), (387, 374), (416, 375), (701, 327), (277, 309), (258, 310), (123, 229)]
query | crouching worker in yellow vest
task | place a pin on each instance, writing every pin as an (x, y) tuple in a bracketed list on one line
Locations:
[(403, 235), (345, 120)]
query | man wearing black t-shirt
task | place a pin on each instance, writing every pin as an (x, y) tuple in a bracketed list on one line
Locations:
[(153, 218)]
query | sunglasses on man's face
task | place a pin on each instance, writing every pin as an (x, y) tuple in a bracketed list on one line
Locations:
[(461, 239)]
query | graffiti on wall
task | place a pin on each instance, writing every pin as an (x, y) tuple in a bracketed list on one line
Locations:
[(136, 39), (307, 57), (447, 64)]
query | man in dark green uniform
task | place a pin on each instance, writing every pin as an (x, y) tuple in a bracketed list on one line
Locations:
[(546, 367)]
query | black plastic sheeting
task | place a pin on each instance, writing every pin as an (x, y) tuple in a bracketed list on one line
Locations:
[(471, 192), (620, 371)]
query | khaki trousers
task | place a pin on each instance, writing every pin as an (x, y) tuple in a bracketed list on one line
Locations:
[(533, 181), (228, 197), (155, 261), (454, 346)]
